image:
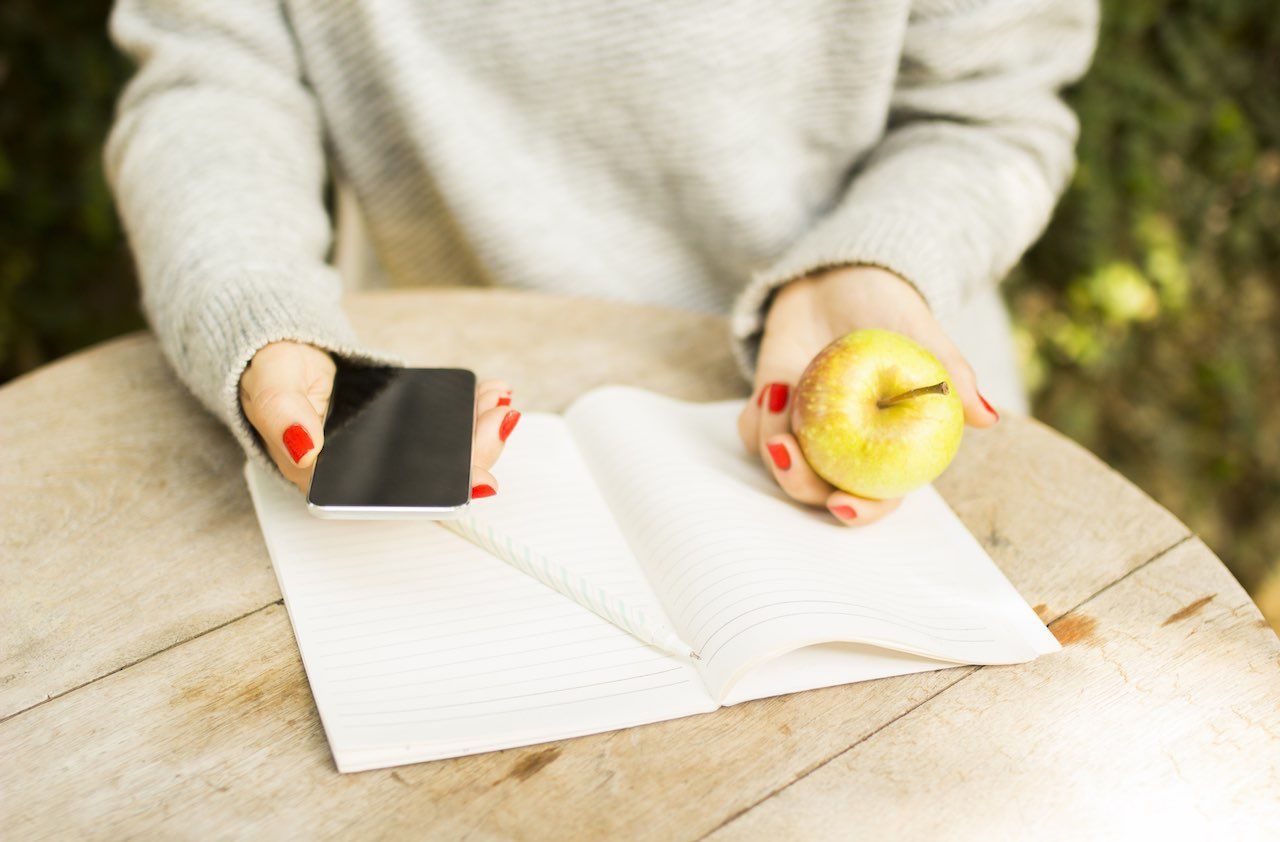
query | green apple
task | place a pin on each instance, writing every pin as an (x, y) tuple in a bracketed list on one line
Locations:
[(876, 414)]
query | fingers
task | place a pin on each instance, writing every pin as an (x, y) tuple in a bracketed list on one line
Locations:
[(859, 511), (495, 420), (496, 388), (780, 451), (765, 414), (493, 427), (785, 461), (800, 482), (977, 411), (284, 393), (483, 483), (773, 406), (289, 424), (765, 427), (292, 431), (489, 398)]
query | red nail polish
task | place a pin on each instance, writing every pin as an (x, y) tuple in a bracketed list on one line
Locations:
[(760, 397), (780, 455), (508, 424), (778, 396), (297, 441), (504, 401), (844, 512), (482, 490), (989, 407)]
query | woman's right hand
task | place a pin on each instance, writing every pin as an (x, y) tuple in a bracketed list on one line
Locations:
[(285, 393)]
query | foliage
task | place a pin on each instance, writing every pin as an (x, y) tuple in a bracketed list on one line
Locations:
[(1149, 313), (65, 276)]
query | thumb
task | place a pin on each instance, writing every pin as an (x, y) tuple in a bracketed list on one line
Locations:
[(284, 392), (977, 411), (290, 426)]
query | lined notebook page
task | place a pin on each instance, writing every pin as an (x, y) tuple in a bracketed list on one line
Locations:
[(419, 645), (745, 575), (548, 501)]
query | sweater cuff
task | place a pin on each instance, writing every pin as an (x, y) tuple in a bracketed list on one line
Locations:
[(236, 322), (862, 237)]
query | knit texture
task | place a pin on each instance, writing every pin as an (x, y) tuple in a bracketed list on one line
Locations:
[(694, 155)]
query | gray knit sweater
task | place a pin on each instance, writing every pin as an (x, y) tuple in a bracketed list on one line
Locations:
[(692, 154)]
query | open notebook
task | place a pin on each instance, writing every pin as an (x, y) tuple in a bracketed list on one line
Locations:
[(419, 645)]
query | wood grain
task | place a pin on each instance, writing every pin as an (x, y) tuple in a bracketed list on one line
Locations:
[(216, 733), (126, 528), (123, 528), (221, 732), (550, 348), (226, 720), (1160, 719)]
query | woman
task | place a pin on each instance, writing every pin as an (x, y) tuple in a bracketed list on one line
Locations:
[(810, 168)]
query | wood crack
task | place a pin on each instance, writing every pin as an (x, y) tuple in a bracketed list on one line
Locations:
[(137, 661), (815, 767)]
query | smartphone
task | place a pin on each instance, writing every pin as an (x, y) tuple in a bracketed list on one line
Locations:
[(397, 443)]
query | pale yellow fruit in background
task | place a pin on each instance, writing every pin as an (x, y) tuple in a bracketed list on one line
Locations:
[(859, 424)]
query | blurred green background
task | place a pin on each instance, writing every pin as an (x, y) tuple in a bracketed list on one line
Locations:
[(1148, 316)]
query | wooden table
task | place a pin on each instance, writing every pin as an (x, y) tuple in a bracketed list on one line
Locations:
[(151, 686)]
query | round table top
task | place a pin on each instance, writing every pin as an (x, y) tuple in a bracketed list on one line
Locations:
[(151, 685)]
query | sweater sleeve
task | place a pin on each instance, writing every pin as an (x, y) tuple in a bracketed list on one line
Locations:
[(977, 149), (217, 164)]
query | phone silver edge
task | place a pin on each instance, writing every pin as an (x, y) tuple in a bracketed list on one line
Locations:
[(385, 512)]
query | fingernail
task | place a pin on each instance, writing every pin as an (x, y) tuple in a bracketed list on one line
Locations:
[(844, 512), (760, 397), (297, 441), (508, 424), (781, 457), (482, 490), (505, 400), (989, 407), (778, 396)]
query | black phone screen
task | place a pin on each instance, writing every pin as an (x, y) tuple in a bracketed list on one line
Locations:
[(396, 438)]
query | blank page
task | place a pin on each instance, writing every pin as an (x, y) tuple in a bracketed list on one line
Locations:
[(746, 575), (419, 645)]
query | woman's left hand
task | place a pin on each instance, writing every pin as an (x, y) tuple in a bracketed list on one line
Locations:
[(807, 315)]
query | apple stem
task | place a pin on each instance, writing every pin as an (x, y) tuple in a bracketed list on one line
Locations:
[(936, 389)]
